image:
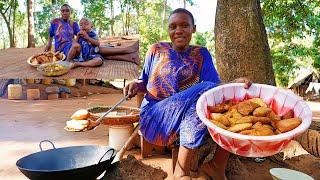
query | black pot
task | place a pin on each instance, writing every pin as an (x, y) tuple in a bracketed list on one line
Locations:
[(75, 162)]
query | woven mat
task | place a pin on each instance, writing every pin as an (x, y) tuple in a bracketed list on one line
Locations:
[(13, 65)]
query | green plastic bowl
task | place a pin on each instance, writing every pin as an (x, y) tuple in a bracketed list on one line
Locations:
[(288, 174)]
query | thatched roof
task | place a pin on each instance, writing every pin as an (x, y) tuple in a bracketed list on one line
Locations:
[(304, 75)]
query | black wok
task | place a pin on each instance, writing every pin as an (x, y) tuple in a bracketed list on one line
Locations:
[(75, 162)]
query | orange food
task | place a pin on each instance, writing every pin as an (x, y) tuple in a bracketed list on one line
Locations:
[(252, 117)]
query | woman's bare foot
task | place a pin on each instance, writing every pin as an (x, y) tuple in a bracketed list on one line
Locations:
[(213, 172)]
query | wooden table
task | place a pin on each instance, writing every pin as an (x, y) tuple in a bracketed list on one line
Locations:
[(13, 65)]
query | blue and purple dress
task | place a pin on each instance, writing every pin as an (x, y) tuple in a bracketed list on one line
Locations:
[(63, 33), (175, 81), (88, 51)]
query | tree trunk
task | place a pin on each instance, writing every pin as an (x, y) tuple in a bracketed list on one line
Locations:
[(14, 6), (31, 33), (112, 17), (242, 48), (9, 29), (164, 16)]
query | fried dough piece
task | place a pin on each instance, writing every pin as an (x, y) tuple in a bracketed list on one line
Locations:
[(233, 116), (277, 132), (217, 109), (273, 123), (216, 116), (273, 116), (263, 120), (262, 131), (221, 108), (261, 111), (245, 119), (219, 124), (240, 127), (224, 120), (288, 115), (42, 59), (267, 126), (246, 107), (247, 132), (258, 101), (80, 114), (257, 125), (59, 55), (288, 124)]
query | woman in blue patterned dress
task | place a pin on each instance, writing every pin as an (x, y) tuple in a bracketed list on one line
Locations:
[(174, 75), (63, 30)]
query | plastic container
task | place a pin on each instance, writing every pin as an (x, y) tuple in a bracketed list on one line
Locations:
[(286, 174), (118, 135), (46, 81), (280, 100), (33, 94), (14, 91), (70, 82), (30, 81)]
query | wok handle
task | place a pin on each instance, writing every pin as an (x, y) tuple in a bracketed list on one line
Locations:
[(107, 153), (40, 146)]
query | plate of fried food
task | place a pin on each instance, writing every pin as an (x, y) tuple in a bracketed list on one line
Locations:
[(54, 69), (45, 57), (255, 122)]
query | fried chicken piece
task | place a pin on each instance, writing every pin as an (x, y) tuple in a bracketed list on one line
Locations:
[(258, 101)]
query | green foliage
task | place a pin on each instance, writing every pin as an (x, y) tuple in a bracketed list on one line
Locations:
[(151, 25), (293, 28), (96, 11)]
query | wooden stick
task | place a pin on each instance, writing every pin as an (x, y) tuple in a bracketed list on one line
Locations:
[(126, 145)]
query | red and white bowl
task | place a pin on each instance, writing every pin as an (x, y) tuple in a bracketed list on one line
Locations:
[(280, 100)]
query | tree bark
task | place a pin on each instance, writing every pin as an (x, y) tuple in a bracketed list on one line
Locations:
[(31, 33), (242, 48), (14, 23), (112, 17)]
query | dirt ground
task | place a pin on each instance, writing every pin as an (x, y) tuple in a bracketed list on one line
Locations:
[(25, 123)]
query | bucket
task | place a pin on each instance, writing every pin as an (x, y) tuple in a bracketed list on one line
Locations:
[(284, 174), (118, 135)]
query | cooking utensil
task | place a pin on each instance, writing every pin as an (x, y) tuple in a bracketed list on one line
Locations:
[(75, 162), (100, 119), (120, 154)]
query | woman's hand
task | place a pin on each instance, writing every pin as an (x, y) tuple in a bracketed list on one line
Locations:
[(246, 81), (133, 88)]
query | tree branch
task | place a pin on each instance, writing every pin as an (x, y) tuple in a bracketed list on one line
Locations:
[(8, 7)]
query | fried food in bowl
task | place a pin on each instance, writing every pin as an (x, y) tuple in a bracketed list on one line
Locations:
[(260, 121), (45, 57)]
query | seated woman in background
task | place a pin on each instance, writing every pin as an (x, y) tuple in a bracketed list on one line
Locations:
[(174, 76), (63, 30), (85, 51)]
